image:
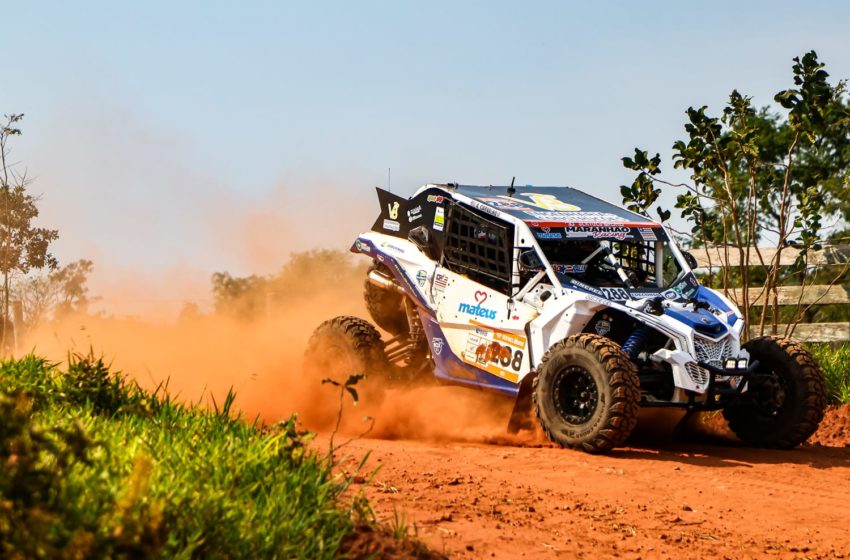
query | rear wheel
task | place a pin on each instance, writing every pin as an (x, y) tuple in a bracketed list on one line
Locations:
[(385, 307), (346, 346), (785, 400), (587, 393)]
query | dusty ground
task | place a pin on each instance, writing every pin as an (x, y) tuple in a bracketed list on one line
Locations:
[(503, 498)]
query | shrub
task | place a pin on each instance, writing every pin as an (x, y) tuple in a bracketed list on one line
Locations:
[(125, 473), (835, 365)]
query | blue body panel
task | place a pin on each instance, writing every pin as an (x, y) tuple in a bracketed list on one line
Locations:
[(708, 296), (450, 368), (701, 320)]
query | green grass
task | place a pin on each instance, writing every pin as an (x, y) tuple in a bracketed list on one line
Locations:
[(94, 467), (835, 365)]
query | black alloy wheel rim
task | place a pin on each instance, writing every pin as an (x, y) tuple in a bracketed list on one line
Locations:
[(576, 395), (771, 394)]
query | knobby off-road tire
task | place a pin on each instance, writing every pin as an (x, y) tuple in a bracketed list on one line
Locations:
[(345, 346), (587, 393), (385, 307), (782, 409)]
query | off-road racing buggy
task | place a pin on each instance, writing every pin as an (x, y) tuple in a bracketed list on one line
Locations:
[(577, 309)]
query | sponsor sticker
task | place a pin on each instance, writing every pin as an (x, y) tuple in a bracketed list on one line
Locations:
[(477, 309), (603, 326), (421, 278), (642, 294), (360, 246), (502, 203), (386, 245), (570, 268), (435, 198), (439, 218), (496, 352), (484, 208), (586, 287), (392, 208), (575, 217), (437, 345), (598, 232), (391, 225), (685, 289), (595, 299), (648, 234), (549, 202), (548, 234), (670, 294), (414, 214), (440, 282)]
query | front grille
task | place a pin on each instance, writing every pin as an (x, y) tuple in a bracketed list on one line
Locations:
[(698, 375), (713, 352)]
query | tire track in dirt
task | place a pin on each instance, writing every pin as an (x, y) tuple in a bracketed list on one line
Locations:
[(688, 500)]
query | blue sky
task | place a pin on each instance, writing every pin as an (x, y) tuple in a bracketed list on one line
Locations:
[(159, 133)]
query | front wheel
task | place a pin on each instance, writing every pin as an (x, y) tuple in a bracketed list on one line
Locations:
[(347, 346), (587, 393), (785, 399)]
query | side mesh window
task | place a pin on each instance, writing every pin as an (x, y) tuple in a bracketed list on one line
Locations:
[(479, 247)]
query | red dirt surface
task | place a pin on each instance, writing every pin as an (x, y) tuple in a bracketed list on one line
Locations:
[(370, 542), (704, 497), (834, 430)]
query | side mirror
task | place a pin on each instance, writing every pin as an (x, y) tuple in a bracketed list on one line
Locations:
[(529, 261), (690, 259)]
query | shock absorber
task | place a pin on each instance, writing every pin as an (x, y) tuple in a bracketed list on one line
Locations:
[(416, 336), (636, 341)]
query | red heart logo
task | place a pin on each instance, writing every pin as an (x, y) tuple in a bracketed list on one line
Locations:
[(480, 297)]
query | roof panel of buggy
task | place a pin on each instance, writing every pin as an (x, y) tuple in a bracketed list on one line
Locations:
[(580, 214)]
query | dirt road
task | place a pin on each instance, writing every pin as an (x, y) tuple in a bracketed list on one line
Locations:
[(668, 500)]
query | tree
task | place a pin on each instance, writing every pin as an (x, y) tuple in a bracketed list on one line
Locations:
[(62, 292), (303, 276), (70, 287), (243, 297), (758, 176), (23, 247)]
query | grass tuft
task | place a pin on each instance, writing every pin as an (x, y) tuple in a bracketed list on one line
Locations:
[(95, 467), (835, 365)]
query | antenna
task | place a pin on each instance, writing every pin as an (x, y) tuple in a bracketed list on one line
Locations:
[(390, 179), (511, 189)]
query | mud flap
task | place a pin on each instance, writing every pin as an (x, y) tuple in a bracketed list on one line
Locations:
[(521, 417)]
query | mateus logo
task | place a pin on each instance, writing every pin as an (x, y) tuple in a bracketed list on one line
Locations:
[(478, 310)]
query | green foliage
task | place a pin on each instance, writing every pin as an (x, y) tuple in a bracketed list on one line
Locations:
[(642, 193), (125, 473), (748, 166), (23, 247), (835, 364), (757, 177)]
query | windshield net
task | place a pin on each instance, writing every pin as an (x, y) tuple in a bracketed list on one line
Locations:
[(588, 261)]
